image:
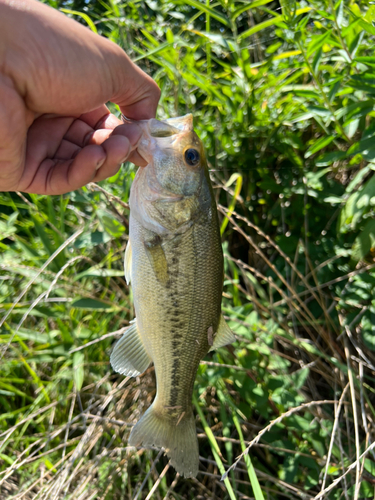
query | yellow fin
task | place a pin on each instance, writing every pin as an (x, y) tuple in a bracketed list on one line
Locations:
[(223, 336), (178, 437), (157, 259), (128, 263), (129, 356)]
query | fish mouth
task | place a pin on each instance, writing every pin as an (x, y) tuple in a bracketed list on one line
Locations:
[(152, 130), (164, 128)]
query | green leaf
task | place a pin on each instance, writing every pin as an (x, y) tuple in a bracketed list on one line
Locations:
[(249, 6), (89, 240), (362, 22), (319, 144), (78, 369), (84, 16), (317, 42), (339, 11), (261, 26), (359, 110), (316, 60), (368, 332), (328, 158), (357, 179), (208, 10), (351, 127), (364, 242), (103, 273), (215, 448), (156, 50), (258, 494), (355, 44), (369, 60), (299, 377), (358, 203), (91, 304), (110, 223), (319, 111), (365, 147)]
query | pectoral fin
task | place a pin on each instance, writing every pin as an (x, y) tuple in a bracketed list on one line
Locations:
[(223, 336), (129, 356), (128, 263), (158, 260)]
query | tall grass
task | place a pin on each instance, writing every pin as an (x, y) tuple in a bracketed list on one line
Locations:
[(283, 98)]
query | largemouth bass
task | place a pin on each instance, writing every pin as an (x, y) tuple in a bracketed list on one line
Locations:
[(174, 261)]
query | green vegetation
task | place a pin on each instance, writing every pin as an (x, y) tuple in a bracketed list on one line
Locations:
[(283, 98)]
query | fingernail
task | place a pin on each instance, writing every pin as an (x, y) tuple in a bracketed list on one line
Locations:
[(87, 138), (99, 164)]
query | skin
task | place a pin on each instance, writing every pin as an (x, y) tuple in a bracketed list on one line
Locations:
[(56, 133)]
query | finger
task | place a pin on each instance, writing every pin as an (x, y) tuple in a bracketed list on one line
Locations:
[(81, 130), (133, 132), (117, 149), (45, 134), (67, 150), (100, 118), (137, 159), (130, 130), (78, 133), (99, 136), (61, 176)]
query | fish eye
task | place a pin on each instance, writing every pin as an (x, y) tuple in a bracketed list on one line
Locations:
[(192, 157)]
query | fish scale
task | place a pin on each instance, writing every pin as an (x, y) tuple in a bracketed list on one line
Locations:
[(174, 261)]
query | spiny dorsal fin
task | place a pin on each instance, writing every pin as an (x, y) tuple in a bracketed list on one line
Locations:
[(128, 263), (129, 356), (223, 336)]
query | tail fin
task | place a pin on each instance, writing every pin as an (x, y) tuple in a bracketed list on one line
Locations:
[(178, 437)]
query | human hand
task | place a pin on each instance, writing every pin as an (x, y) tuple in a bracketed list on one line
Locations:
[(56, 134)]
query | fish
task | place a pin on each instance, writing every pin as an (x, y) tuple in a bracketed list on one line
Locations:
[(174, 262)]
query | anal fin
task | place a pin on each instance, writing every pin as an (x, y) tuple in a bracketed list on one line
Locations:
[(223, 336), (129, 356)]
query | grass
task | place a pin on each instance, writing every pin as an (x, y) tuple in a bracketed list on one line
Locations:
[(283, 99)]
